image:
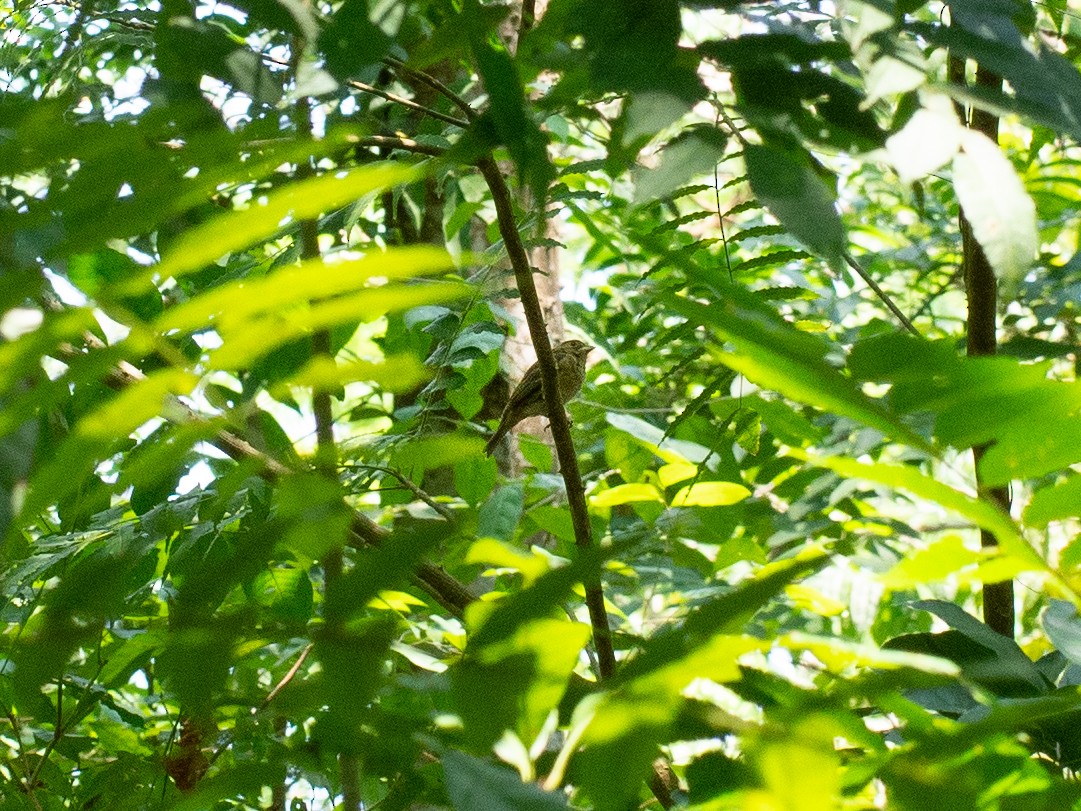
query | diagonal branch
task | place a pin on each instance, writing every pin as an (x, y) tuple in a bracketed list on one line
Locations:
[(557, 417), (415, 76), (409, 103), (445, 589), (882, 294)]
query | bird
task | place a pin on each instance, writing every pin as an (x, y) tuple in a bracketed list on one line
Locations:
[(527, 399)]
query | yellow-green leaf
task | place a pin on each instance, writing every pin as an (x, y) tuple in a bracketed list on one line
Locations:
[(135, 405), (244, 343), (316, 279), (711, 494), (626, 494), (676, 472), (395, 374), (304, 199), (491, 552)]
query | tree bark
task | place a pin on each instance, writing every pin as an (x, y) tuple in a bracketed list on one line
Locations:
[(981, 340)]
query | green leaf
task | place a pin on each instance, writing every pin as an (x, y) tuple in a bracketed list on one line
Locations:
[(949, 556), (499, 515), (1063, 628), (982, 513), (435, 452), (1025, 453), (787, 184), (300, 200), (351, 42), (1054, 503), (626, 494), (498, 621), (654, 440), (244, 778), (96, 432), (400, 373), (285, 591), (507, 111), (516, 683), (246, 341), (475, 478), (723, 615), (236, 302), (839, 654), (1002, 215), (995, 660), (776, 356), (475, 785), (629, 724), (800, 764), (690, 154), (317, 519), (930, 139), (190, 48)]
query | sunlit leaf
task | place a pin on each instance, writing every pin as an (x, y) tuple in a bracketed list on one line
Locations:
[(491, 552), (996, 204), (776, 356), (394, 374), (244, 299), (300, 200), (1054, 503), (909, 479), (711, 494), (247, 341), (687, 156), (929, 140), (625, 494), (945, 557)]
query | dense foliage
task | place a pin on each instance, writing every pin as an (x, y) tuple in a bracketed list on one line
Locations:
[(258, 260)]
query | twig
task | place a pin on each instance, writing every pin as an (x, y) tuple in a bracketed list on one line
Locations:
[(406, 144), (852, 263), (412, 105), (882, 294), (442, 509), (931, 297), (288, 677), (442, 587), (273, 694), (433, 83)]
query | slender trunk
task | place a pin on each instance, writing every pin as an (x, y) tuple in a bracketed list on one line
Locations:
[(981, 341)]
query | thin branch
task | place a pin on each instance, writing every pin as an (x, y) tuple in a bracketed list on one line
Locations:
[(326, 450), (852, 263), (412, 105), (557, 417), (405, 144), (942, 290), (882, 294), (266, 702), (445, 589), (424, 78), (442, 509), (288, 677)]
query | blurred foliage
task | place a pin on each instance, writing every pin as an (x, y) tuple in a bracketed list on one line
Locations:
[(196, 615)]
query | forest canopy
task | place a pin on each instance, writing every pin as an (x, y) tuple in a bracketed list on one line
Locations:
[(806, 535)]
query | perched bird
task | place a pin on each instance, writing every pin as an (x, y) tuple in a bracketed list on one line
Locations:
[(527, 399)]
